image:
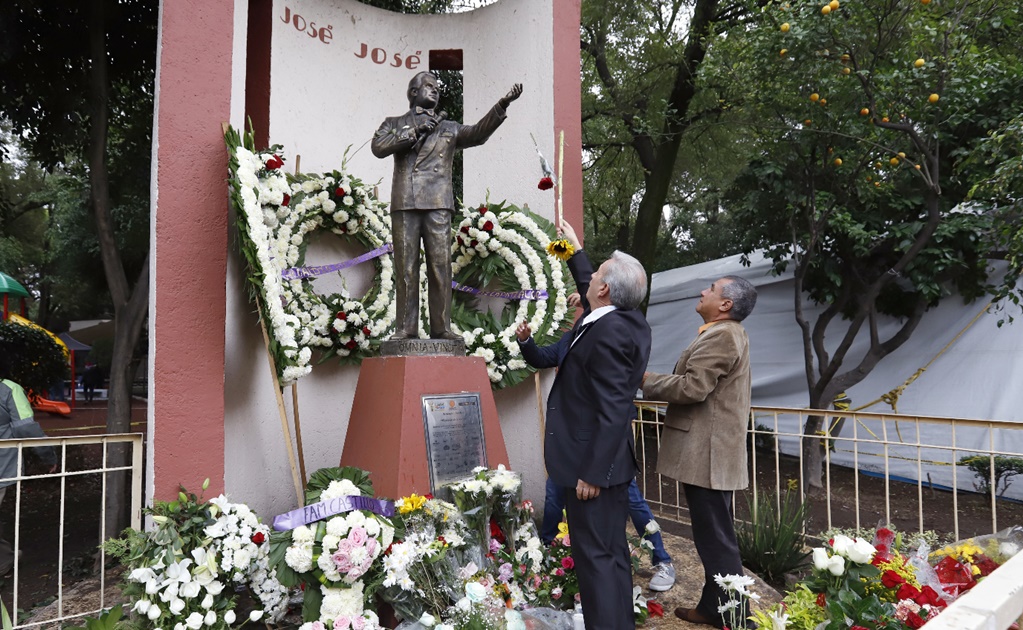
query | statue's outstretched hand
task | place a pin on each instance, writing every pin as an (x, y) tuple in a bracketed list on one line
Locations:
[(512, 94)]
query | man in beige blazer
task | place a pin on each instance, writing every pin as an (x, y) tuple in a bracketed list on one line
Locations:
[(704, 441)]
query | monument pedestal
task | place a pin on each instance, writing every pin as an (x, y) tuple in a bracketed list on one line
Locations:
[(386, 432)]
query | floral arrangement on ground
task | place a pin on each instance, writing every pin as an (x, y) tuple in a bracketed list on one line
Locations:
[(493, 244), (884, 583), (474, 562), (186, 571)]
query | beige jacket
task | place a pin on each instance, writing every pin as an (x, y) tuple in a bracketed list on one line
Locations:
[(708, 396)]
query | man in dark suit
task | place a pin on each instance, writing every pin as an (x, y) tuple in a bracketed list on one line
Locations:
[(551, 357), (423, 144), (588, 446), (703, 444)]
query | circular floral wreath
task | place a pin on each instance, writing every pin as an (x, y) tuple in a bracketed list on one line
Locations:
[(496, 245)]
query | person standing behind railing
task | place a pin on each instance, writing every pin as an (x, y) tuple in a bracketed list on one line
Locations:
[(703, 444), (16, 421)]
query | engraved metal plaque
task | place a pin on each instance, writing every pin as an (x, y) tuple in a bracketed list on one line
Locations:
[(455, 444)]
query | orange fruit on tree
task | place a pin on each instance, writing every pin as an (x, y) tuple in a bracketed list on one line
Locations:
[(919, 63), (925, 1), (894, 161), (846, 70), (916, 166), (902, 155), (785, 27), (783, 51), (884, 119), (845, 58), (877, 184), (877, 164), (826, 9), (807, 122), (838, 161), (834, 5), (933, 98), (824, 101), (815, 97), (864, 111)]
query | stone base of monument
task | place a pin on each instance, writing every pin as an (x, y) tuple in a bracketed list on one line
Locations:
[(419, 422)]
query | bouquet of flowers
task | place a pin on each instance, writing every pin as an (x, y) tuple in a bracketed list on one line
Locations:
[(183, 574), (333, 557), (560, 570), (474, 499), (420, 566)]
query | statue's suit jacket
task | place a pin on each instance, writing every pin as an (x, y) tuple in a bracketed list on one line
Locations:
[(708, 396), (422, 175), (589, 429)]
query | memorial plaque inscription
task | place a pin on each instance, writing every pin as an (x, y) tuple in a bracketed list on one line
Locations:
[(454, 436)]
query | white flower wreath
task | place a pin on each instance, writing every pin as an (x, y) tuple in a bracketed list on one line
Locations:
[(505, 244), (495, 244), (277, 213)]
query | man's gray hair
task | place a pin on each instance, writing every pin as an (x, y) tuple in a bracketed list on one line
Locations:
[(742, 294), (626, 280), (416, 83)]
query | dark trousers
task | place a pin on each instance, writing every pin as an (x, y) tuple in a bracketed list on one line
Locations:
[(714, 538), (601, 554), (433, 228)]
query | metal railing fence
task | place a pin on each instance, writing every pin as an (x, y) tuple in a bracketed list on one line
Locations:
[(890, 452), (72, 468)]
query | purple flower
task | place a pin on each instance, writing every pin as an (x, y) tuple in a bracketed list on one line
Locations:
[(505, 572)]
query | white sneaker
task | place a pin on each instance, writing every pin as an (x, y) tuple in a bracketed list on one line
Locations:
[(664, 577)]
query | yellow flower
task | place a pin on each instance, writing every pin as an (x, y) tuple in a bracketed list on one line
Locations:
[(562, 529), (560, 249), (411, 503)]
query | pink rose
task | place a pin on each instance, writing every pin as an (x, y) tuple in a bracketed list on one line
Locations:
[(342, 622), (358, 536), (358, 623), (567, 562)]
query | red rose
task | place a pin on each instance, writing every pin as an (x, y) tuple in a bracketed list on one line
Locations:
[(428, 496), (567, 562), (559, 572), (908, 591), (464, 229), (274, 163), (546, 183), (483, 209), (351, 345), (858, 628), (914, 620), (365, 330), (930, 596), (495, 531), (259, 538), (822, 601), (473, 243), (342, 315), (339, 192), (287, 200), (891, 579), (488, 226), (441, 539), (655, 609)]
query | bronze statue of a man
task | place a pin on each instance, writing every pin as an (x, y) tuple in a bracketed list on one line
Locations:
[(423, 144)]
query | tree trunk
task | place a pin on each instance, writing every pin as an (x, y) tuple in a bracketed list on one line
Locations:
[(129, 306)]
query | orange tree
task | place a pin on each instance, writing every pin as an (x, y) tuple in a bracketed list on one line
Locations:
[(864, 114)]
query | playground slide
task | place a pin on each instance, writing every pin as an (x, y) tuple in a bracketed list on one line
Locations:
[(39, 403)]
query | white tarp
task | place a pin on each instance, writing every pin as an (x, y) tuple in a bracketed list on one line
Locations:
[(977, 377)]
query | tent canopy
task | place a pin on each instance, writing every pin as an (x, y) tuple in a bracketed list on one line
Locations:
[(72, 343), (11, 286)]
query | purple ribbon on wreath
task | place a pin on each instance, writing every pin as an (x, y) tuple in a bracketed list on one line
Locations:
[(524, 294), (299, 273), (330, 507)]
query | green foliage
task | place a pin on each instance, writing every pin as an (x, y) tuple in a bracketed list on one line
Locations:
[(109, 620), (772, 544), (5, 619), (800, 605), (36, 360), (1005, 468)]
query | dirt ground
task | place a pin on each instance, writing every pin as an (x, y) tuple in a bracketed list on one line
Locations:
[(40, 518)]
